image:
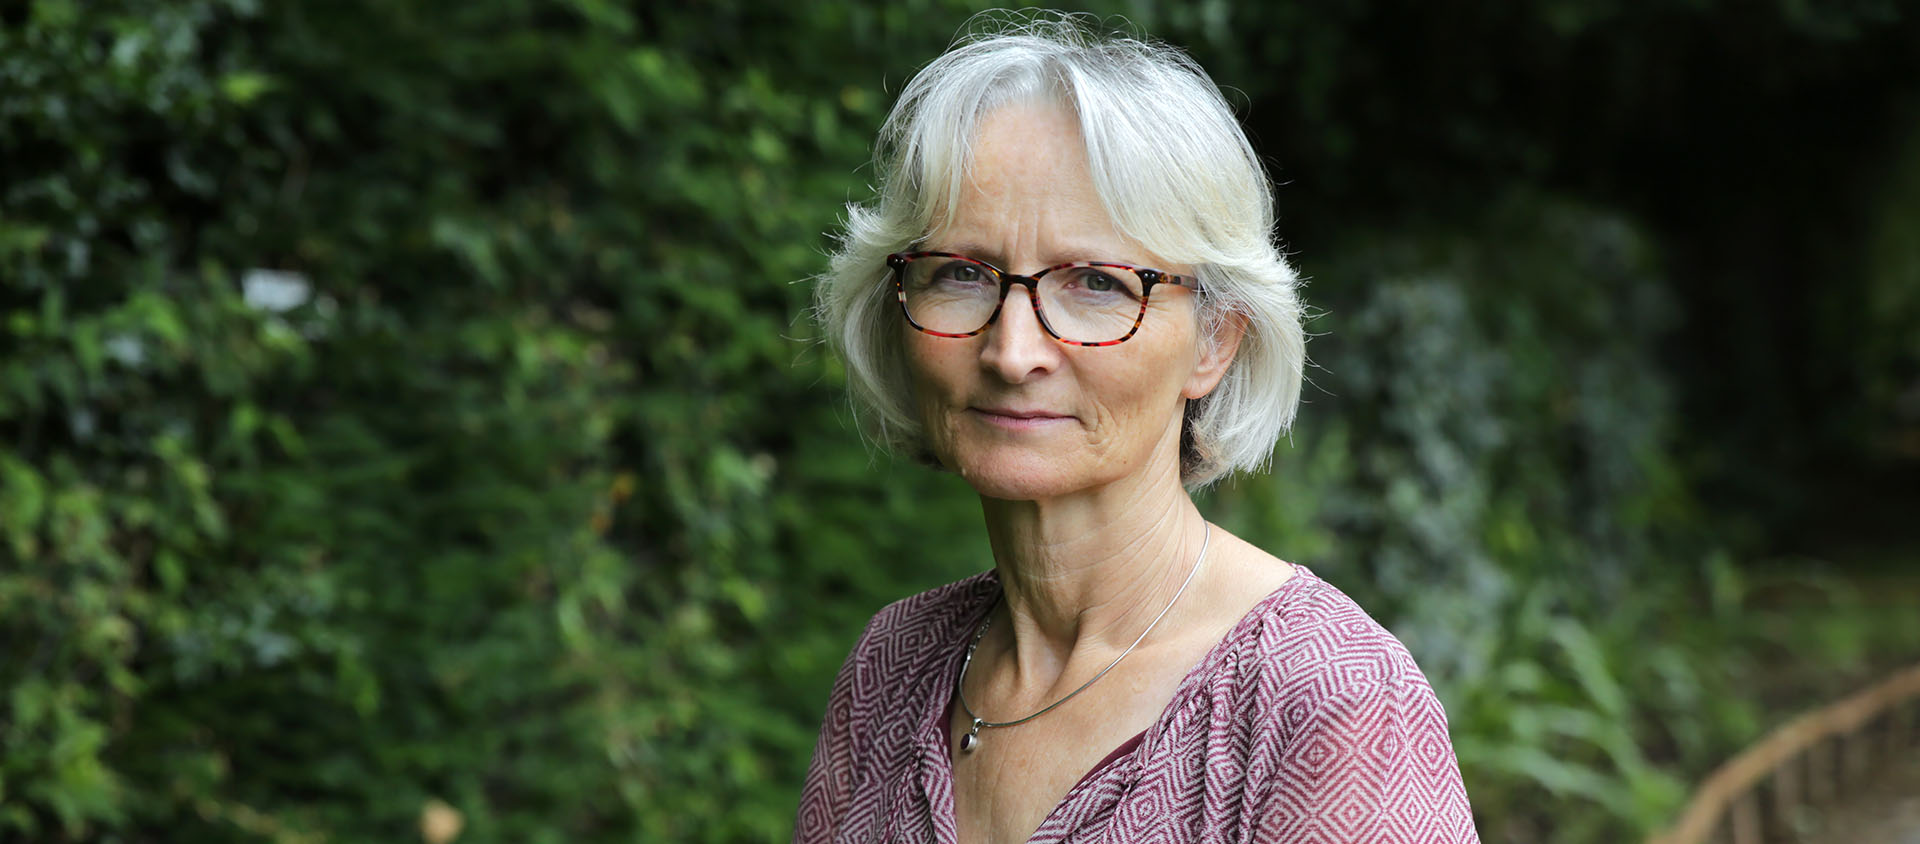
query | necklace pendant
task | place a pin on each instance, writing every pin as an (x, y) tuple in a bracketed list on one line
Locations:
[(972, 739)]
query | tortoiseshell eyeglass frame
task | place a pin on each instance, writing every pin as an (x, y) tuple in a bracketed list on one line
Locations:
[(1149, 278)]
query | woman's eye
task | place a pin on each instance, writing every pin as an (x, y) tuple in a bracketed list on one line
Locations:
[(960, 272), (1095, 281)]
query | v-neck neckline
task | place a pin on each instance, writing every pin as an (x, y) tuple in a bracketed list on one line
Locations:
[(948, 673)]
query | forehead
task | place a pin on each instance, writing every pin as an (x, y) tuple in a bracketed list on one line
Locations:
[(1027, 191), (1026, 143)]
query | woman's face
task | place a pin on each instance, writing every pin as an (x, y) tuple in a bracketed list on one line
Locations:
[(1017, 413)]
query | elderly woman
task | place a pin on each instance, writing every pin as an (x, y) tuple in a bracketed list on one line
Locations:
[(1067, 292)]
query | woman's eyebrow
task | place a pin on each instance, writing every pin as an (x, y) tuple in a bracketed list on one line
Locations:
[(969, 249), (1053, 259)]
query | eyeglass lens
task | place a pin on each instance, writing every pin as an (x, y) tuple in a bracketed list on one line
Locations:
[(1079, 304)]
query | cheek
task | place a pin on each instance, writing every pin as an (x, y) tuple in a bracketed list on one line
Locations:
[(1136, 403), (935, 375), (928, 366), (1148, 395)]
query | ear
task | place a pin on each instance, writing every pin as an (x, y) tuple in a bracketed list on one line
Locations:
[(1216, 356)]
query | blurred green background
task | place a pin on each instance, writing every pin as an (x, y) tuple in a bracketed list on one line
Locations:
[(414, 401)]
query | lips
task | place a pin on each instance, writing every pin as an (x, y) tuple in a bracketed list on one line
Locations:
[(1022, 414), (1018, 419)]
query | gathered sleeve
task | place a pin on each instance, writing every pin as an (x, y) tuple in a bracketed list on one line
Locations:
[(1370, 763)]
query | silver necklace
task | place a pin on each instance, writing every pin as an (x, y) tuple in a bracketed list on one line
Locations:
[(972, 739)]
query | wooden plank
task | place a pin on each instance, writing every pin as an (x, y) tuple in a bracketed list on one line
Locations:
[(1746, 821), (1787, 790), (1737, 776), (1821, 772), (1854, 757)]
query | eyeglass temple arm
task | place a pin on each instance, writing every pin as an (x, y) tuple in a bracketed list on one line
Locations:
[(1156, 277)]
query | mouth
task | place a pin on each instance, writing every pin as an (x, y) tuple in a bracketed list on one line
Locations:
[(1018, 419)]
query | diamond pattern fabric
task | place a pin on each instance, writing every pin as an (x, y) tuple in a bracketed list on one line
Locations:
[(1308, 722)]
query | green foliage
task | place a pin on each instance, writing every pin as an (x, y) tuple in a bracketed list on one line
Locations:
[(416, 401), (1500, 497), (516, 467), (1489, 468)]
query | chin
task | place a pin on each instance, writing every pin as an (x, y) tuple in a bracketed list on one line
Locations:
[(1019, 475)]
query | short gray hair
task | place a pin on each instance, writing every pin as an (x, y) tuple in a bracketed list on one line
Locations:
[(1174, 171)]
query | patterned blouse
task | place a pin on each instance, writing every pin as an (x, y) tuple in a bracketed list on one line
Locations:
[(1309, 722)]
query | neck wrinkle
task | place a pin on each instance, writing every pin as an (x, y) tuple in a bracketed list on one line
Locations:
[(1083, 578)]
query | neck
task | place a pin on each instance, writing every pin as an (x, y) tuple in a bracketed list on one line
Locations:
[(1084, 575)]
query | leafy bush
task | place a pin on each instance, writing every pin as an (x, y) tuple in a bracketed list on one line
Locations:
[(407, 405), (1497, 487)]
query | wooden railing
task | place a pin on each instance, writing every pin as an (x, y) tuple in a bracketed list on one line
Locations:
[(1754, 797)]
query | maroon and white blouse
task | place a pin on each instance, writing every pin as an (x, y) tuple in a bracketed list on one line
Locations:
[(1309, 722)]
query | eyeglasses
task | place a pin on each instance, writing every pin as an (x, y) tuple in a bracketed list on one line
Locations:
[(1084, 303)]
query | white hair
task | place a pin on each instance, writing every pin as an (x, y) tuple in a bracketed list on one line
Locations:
[(1171, 166)]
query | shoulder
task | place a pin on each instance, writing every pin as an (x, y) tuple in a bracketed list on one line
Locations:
[(894, 669), (900, 630), (906, 637), (1348, 732), (1309, 647), (886, 690)]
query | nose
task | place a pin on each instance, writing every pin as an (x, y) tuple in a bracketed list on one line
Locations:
[(1018, 347)]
